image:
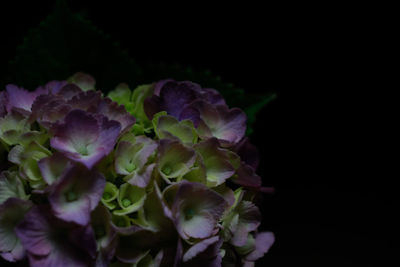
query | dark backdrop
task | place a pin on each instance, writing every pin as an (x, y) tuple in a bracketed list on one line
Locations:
[(333, 205)]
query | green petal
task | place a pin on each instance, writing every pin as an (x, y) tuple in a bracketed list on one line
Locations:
[(197, 173), (12, 126), (132, 194), (216, 161), (127, 157), (110, 205), (120, 220), (166, 126), (11, 213), (110, 193), (121, 94), (151, 215), (28, 137), (11, 186), (139, 95), (174, 159)]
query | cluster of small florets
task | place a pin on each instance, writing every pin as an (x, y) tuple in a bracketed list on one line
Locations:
[(159, 176)]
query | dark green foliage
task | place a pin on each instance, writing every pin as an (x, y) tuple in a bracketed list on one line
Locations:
[(65, 43)]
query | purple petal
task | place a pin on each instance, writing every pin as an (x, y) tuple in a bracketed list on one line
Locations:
[(85, 100), (116, 112), (212, 96), (175, 96), (53, 87), (151, 106), (197, 210), (51, 242), (85, 138), (245, 176), (264, 241), (48, 109), (199, 248), (249, 220), (19, 98), (68, 91), (33, 232), (141, 178), (190, 113), (206, 253), (52, 168), (228, 125), (160, 84), (73, 198), (248, 152)]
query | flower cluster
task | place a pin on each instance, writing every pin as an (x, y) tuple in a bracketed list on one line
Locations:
[(159, 176)]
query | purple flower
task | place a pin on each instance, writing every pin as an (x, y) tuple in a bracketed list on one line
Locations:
[(51, 242), (204, 106), (54, 167), (76, 194), (88, 100), (85, 138), (12, 212), (261, 245), (20, 99), (195, 209), (246, 177), (228, 125), (204, 253), (48, 109), (116, 112), (175, 98)]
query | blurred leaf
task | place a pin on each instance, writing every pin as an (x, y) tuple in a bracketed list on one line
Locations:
[(65, 43), (257, 102)]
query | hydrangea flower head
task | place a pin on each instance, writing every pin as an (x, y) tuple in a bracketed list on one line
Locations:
[(161, 175)]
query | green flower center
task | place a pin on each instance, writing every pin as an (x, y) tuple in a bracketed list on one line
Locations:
[(83, 150), (71, 196), (126, 202), (167, 170), (106, 195), (189, 213), (131, 166)]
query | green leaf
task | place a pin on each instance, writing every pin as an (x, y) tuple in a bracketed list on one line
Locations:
[(256, 103)]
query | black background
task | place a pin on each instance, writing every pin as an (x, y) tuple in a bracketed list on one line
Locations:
[(335, 204)]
